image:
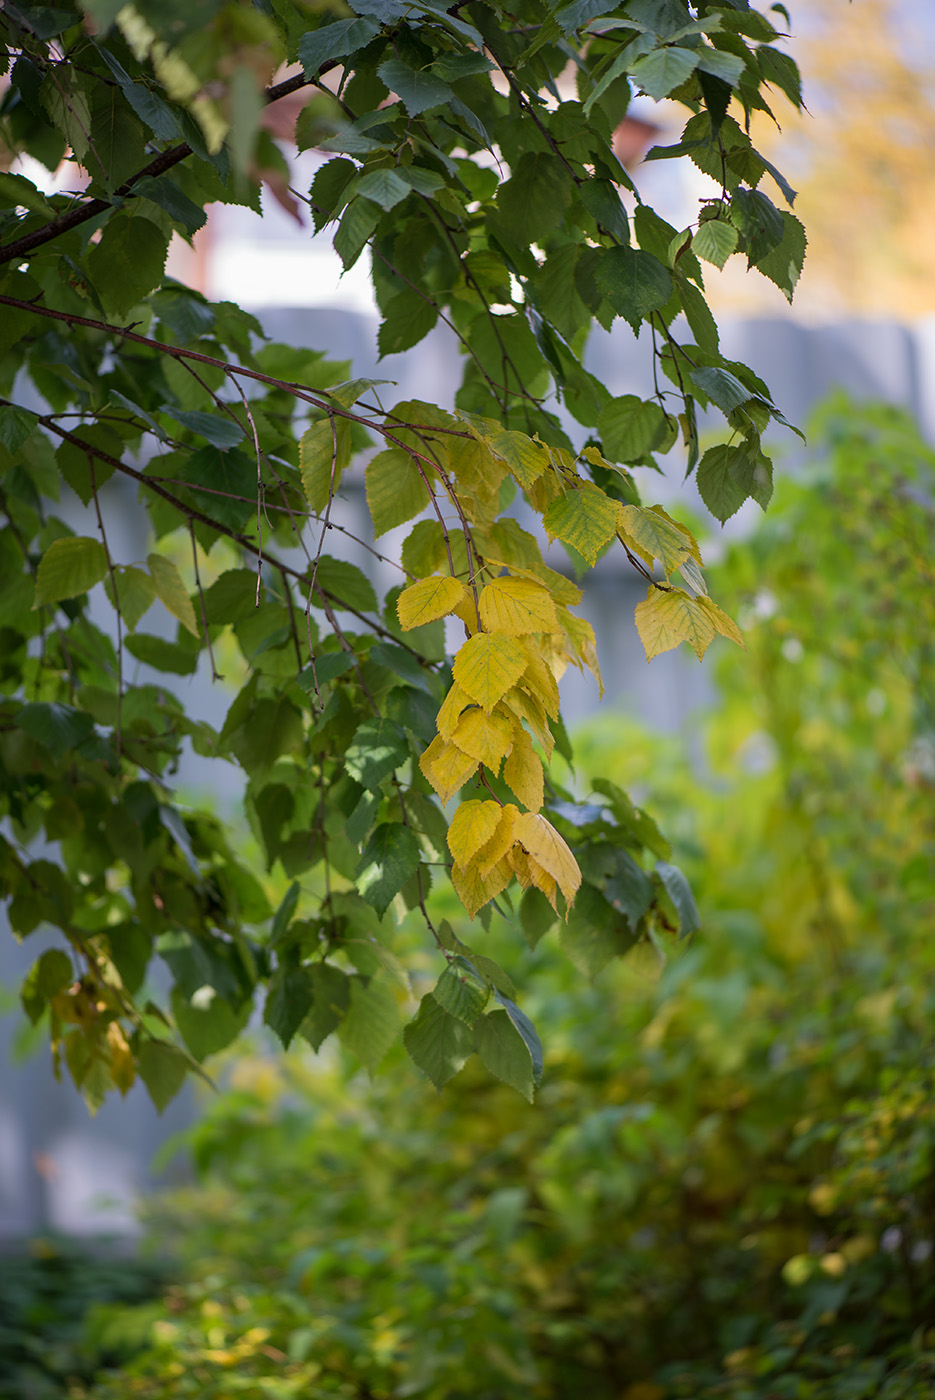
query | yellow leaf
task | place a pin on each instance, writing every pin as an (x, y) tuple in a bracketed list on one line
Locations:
[(561, 588), (582, 645), (543, 843), (475, 468), (517, 606), (171, 591), (668, 616), (522, 771), (428, 600), (488, 738), (396, 488), (519, 864), (539, 681), (475, 890), (472, 826), (584, 518), (526, 707), (501, 842), (451, 707), (487, 665), (526, 457), (542, 880), (655, 536), (122, 1068), (324, 452), (466, 611), (724, 624), (446, 768)]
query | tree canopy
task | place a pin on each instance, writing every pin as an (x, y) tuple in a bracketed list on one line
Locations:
[(387, 745)]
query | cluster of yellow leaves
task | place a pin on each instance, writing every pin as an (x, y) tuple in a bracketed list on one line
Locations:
[(504, 694)]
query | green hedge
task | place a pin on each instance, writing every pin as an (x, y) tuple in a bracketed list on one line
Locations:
[(726, 1187)]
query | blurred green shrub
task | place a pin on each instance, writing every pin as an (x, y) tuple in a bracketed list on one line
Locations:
[(727, 1185), (53, 1296)]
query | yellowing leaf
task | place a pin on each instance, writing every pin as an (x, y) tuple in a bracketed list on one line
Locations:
[(451, 707), (487, 665), (475, 890), (539, 682), (655, 536), (324, 452), (475, 468), (446, 768), (501, 842), (526, 707), (526, 458), (560, 588), (472, 826), (584, 518), (543, 843), (724, 624), (517, 606), (171, 591), (667, 617), (396, 489), (428, 600), (542, 880), (582, 645), (522, 771), (488, 738), (466, 612)]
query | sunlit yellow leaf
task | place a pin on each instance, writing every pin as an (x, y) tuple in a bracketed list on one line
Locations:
[(475, 890), (724, 624), (466, 611), (526, 707), (451, 707), (428, 600), (543, 843), (655, 535), (518, 862), (584, 518), (488, 738), (501, 842), (669, 616), (517, 606), (472, 826), (542, 880), (560, 588), (446, 768), (522, 771), (487, 665), (539, 681)]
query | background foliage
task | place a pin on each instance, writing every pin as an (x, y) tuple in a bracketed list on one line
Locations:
[(725, 1188)]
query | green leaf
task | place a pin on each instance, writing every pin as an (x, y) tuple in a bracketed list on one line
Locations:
[(171, 591), (346, 584), (659, 72), (58, 727), (419, 90), (396, 489), (207, 1023), (162, 655), (335, 40), (715, 240), (384, 187), (721, 387), (128, 261), (594, 933), (283, 915), (634, 282), (358, 223), (461, 992), (407, 319), (372, 1021), (390, 857), (783, 264), (51, 974), (288, 1001), (378, 748), (438, 1043), (229, 478), (584, 518), (332, 996), (602, 199), (536, 915), (135, 592), (69, 568), (528, 1031), (505, 1052), (727, 476), (536, 195), (631, 428), (324, 453), (220, 432), (680, 893), (759, 221), (782, 71), (15, 426), (162, 1070)]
